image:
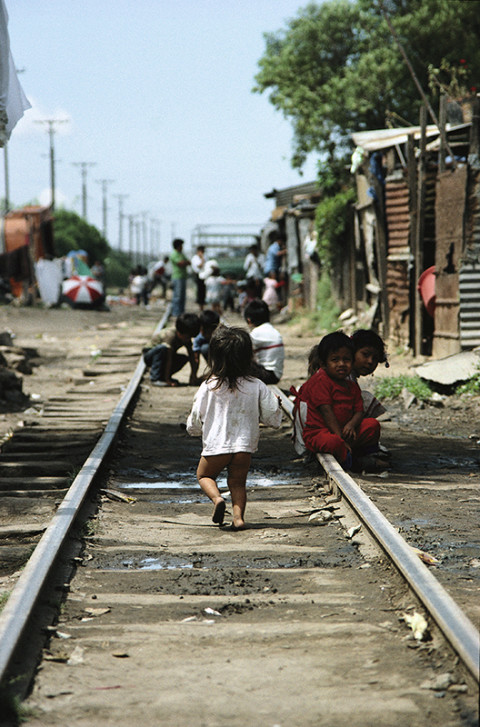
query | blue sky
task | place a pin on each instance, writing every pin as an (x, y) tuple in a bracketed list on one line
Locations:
[(157, 94)]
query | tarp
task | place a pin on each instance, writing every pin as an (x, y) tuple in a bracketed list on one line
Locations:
[(13, 102), (49, 279)]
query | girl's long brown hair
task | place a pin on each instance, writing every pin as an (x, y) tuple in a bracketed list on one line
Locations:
[(230, 355)]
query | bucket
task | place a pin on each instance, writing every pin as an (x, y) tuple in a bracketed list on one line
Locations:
[(426, 287)]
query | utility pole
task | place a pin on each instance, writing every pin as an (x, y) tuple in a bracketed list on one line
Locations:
[(144, 216), (6, 168), (155, 237), (131, 242), (83, 169), (104, 183), (51, 132), (120, 198)]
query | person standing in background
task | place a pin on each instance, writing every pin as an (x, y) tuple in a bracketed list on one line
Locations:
[(198, 267), (179, 263), (275, 254)]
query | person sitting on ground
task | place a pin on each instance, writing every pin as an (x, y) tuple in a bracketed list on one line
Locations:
[(209, 320), (334, 421), (369, 351), (163, 358), (268, 349), (226, 411)]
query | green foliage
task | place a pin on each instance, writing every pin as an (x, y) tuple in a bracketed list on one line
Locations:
[(325, 318), (391, 387), (452, 80), (4, 598), (335, 68), (331, 222), (470, 387), (72, 232), (117, 268)]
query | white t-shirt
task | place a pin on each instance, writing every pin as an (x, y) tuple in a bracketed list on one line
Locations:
[(228, 420), (268, 348)]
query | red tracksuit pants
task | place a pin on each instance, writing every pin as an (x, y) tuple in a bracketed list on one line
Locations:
[(322, 440)]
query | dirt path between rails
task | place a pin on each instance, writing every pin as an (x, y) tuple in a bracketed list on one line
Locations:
[(292, 644)]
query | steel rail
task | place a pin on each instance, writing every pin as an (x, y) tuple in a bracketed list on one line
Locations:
[(454, 624), (22, 600)]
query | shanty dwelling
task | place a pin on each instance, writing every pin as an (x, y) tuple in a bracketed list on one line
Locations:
[(294, 216), (418, 229), (26, 236)]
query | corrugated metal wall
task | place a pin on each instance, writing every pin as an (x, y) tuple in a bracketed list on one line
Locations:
[(470, 271), (398, 257), (470, 305)]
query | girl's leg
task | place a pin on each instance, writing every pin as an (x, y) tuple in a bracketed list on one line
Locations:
[(237, 480), (207, 472)]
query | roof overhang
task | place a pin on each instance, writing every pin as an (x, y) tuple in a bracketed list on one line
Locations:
[(386, 138)]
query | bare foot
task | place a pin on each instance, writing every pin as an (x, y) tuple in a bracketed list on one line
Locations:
[(238, 525), (219, 511)]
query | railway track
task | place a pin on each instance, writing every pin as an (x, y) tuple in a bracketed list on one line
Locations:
[(284, 613)]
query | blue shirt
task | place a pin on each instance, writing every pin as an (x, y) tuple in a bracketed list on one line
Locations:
[(272, 261)]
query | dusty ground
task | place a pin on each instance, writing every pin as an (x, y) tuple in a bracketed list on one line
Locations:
[(65, 340)]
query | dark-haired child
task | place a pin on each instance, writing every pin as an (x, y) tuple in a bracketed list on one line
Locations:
[(226, 411), (209, 320), (164, 359), (268, 349), (334, 420), (369, 351)]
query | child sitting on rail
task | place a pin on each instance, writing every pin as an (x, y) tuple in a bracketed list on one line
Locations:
[(226, 411), (268, 349), (369, 351), (164, 359), (209, 320), (333, 419)]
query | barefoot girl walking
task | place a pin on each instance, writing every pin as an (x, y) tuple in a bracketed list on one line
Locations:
[(226, 411)]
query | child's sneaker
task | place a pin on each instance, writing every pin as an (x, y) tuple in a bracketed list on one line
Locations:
[(158, 383)]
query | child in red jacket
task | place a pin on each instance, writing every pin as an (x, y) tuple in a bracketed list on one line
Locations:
[(334, 421)]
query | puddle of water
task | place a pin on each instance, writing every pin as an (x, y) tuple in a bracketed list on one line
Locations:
[(181, 501), (159, 485), (176, 482), (158, 564)]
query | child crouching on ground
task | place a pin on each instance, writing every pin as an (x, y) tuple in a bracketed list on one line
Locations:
[(334, 421), (164, 359), (226, 411)]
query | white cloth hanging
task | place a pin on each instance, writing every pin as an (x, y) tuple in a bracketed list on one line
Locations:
[(13, 102)]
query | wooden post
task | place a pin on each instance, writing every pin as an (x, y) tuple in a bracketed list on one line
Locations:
[(412, 231), (381, 255), (442, 123), (419, 231)]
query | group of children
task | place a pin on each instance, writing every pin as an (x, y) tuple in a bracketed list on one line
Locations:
[(330, 413)]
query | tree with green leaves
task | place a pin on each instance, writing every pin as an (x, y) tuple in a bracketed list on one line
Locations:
[(336, 68), (72, 232)]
